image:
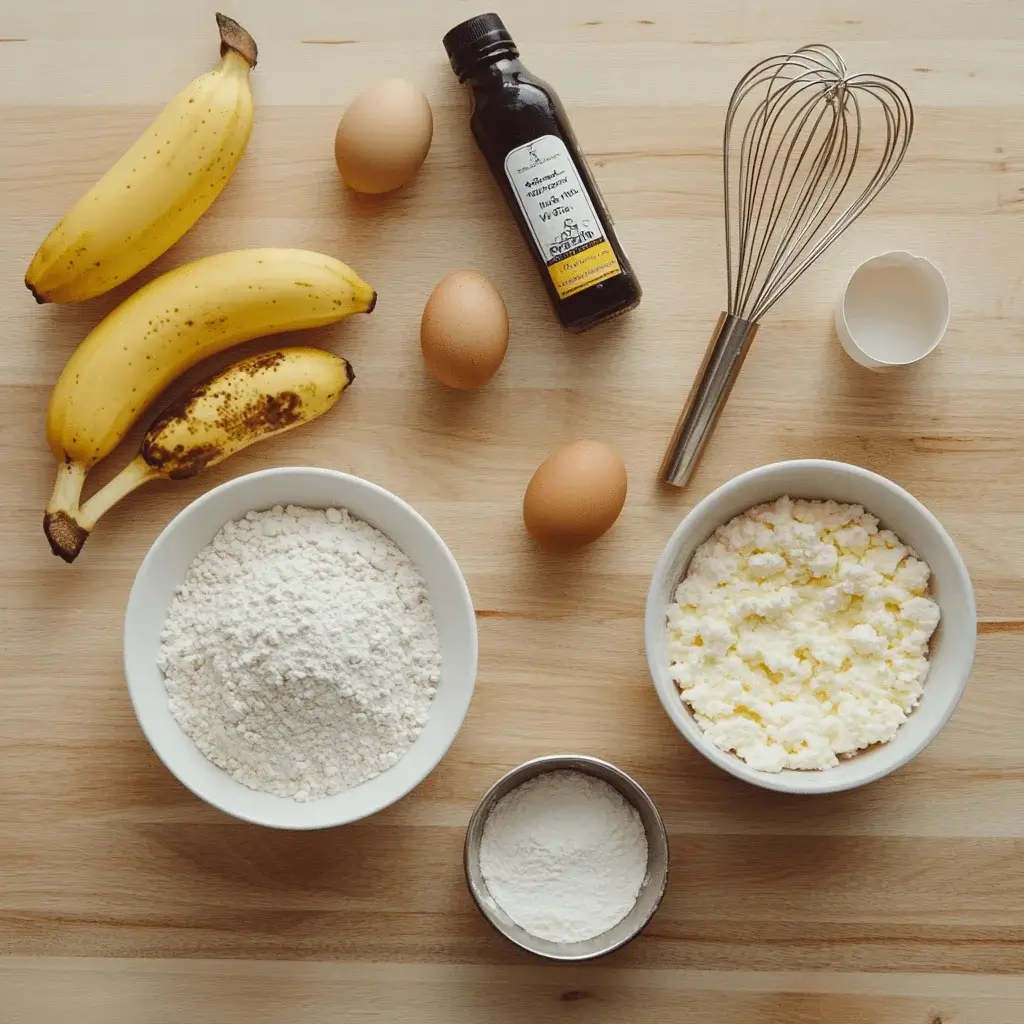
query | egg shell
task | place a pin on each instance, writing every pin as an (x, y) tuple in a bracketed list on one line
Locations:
[(464, 330), (575, 495), (383, 137)]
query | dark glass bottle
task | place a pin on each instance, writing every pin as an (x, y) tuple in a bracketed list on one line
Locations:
[(523, 132)]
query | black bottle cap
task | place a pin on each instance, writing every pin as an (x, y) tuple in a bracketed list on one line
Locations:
[(476, 39)]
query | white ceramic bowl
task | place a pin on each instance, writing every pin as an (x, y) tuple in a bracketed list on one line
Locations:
[(164, 568), (952, 651)]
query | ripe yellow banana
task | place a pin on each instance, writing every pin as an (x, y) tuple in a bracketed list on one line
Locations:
[(253, 399), (159, 188), (170, 325)]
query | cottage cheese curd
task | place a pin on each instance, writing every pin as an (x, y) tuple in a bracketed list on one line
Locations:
[(800, 634)]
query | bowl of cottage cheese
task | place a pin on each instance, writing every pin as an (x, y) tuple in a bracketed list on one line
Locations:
[(810, 626)]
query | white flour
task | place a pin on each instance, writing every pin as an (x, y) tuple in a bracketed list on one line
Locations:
[(301, 654), (564, 855)]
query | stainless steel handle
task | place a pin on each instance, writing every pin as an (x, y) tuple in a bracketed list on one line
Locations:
[(722, 362)]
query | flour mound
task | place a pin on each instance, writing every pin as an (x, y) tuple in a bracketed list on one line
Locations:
[(301, 653), (564, 855)]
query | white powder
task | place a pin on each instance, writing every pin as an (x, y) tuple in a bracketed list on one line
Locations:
[(564, 855), (301, 654)]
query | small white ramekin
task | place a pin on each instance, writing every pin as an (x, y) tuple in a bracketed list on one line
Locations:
[(893, 312)]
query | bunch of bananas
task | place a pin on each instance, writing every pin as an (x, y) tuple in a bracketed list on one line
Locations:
[(137, 211)]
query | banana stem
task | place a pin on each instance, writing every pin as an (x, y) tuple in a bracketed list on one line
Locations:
[(234, 37), (60, 524), (67, 490), (134, 475)]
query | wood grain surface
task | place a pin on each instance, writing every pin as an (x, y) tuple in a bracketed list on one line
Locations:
[(124, 898)]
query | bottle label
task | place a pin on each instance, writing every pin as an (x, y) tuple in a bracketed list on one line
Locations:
[(561, 215)]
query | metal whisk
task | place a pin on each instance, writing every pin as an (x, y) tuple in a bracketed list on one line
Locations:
[(795, 128)]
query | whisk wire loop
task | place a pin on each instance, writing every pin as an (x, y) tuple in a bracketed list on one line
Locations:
[(794, 133)]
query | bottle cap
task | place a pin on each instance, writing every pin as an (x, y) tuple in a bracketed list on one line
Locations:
[(474, 40)]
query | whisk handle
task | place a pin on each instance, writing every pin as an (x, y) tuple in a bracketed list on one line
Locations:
[(722, 361)]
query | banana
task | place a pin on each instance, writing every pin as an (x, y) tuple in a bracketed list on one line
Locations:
[(256, 398), (171, 324), (159, 188)]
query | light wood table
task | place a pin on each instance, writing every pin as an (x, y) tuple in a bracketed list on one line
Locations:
[(124, 898)]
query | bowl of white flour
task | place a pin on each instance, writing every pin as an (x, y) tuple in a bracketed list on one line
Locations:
[(300, 648), (810, 626), (567, 857)]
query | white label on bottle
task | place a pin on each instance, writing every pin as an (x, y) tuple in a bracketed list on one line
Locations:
[(561, 216)]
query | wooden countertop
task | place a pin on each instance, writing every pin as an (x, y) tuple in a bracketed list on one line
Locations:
[(124, 898)]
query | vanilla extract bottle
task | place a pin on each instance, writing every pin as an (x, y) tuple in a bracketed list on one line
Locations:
[(524, 134)]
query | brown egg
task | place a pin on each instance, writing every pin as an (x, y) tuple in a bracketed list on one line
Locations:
[(575, 496), (464, 330), (383, 136)]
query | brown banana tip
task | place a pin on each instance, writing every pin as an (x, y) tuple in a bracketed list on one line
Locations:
[(350, 374), (373, 304), (66, 537), (35, 295), (234, 37)]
